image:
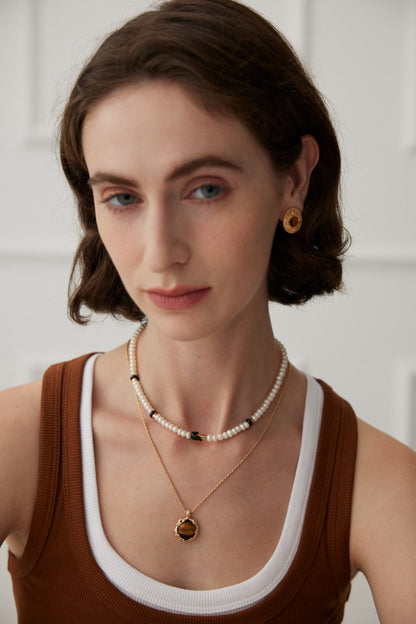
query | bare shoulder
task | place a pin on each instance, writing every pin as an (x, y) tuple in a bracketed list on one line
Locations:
[(19, 453), (379, 450), (385, 482), (383, 531)]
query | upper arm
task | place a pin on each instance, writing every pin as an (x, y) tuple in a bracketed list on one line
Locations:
[(19, 453), (383, 530)]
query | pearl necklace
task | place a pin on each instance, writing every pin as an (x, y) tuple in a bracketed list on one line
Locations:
[(196, 435)]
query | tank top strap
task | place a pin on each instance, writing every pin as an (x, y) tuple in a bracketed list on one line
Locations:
[(72, 476), (339, 440), (61, 387), (342, 484)]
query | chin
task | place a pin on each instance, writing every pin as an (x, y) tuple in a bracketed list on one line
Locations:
[(183, 327)]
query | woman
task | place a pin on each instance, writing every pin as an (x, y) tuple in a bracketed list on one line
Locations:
[(197, 473)]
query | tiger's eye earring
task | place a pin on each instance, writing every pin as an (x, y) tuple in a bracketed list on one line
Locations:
[(292, 220)]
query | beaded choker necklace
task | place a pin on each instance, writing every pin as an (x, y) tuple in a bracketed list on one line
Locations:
[(196, 435)]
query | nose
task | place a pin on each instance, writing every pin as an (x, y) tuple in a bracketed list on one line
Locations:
[(165, 243)]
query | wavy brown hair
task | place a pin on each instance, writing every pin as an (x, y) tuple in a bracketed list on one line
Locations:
[(234, 62)]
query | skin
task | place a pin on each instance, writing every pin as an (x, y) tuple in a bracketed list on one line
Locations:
[(167, 223)]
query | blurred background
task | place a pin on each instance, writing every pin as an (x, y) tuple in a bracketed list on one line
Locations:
[(362, 55)]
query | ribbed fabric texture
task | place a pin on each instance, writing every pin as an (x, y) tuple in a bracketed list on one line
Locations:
[(58, 581)]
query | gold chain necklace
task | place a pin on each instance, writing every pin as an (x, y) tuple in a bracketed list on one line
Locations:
[(187, 528)]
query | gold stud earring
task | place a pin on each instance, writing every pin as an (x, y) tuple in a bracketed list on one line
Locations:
[(292, 220)]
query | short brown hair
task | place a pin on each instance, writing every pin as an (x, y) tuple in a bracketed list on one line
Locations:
[(233, 61)]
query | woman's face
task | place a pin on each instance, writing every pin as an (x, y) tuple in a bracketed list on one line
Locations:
[(186, 203)]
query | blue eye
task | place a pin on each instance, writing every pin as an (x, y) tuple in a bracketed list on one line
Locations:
[(207, 191), (122, 200)]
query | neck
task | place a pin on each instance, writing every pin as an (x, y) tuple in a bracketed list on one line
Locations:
[(210, 384)]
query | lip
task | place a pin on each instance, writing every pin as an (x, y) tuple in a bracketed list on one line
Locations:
[(178, 298)]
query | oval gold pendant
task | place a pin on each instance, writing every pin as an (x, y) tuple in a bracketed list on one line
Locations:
[(186, 529)]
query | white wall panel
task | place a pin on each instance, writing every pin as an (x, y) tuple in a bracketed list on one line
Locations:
[(361, 67), (409, 76), (405, 400), (60, 36)]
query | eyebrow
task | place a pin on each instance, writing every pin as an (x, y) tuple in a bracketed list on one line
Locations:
[(182, 170), (102, 176), (197, 163)]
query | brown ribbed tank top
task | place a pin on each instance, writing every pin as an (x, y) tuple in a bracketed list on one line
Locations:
[(56, 580)]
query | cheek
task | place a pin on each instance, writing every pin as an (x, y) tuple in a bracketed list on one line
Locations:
[(243, 251), (255, 238), (118, 242)]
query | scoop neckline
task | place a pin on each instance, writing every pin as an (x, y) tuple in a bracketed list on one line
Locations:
[(158, 596)]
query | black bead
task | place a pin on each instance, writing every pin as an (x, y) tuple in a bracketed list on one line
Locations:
[(152, 413), (135, 377), (249, 421), (195, 436)]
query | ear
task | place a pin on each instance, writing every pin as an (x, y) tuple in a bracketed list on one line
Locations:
[(299, 174)]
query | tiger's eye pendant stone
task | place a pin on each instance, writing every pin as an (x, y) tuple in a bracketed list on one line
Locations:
[(186, 529)]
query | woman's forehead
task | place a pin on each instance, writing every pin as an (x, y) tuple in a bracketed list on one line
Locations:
[(156, 115)]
